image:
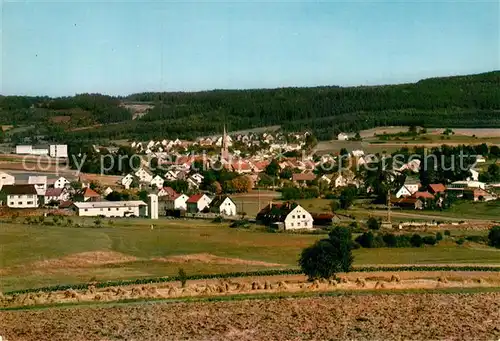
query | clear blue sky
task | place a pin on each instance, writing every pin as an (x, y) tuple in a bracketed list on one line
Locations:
[(119, 47)]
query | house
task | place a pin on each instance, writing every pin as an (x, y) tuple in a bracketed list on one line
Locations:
[(197, 203), (157, 182), (20, 196), (172, 202), (40, 183), (192, 183), (474, 175), (467, 184), (86, 194), (135, 208), (289, 216), (412, 184), (32, 150), (197, 177), (408, 202), (478, 194), (412, 165), (61, 182), (55, 195), (480, 159), (423, 195), (404, 192), (6, 179), (437, 188), (127, 180), (144, 175), (171, 175), (223, 205), (302, 178), (342, 137), (107, 191), (242, 167), (166, 191)]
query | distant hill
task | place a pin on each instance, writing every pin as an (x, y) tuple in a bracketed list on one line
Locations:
[(459, 101)]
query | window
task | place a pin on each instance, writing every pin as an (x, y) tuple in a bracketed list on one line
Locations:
[(11, 203), (86, 210), (30, 202), (19, 202), (291, 224), (304, 216), (298, 224), (293, 217), (109, 208), (117, 208)]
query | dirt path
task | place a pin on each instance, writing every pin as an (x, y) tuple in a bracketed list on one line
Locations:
[(347, 317)]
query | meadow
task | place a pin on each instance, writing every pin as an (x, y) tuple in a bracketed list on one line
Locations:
[(33, 256)]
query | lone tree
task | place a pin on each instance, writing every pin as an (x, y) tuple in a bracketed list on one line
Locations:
[(328, 256), (494, 236)]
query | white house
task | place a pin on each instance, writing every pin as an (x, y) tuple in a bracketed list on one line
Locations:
[(171, 175), (174, 202), (298, 218), (107, 191), (342, 137), (40, 183), (144, 175), (6, 179), (467, 184), (21, 196), (404, 192), (55, 194), (339, 181), (157, 182), (61, 182), (136, 208), (223, 205), (127, 180), (197, 203), (290, 215), (474, 175), (32, 150)]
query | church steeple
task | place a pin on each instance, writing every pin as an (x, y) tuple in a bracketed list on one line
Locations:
[(224, 150)]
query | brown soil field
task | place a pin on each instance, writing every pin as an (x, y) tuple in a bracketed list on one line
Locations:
[(209, 258), (346, 317)]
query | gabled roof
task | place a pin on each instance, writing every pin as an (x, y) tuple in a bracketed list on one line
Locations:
[(276, 212), (423, 195), (219, 200), (195, 198), (437, 188), (19, 189), (170, 191), (87, 192), (53, 192)]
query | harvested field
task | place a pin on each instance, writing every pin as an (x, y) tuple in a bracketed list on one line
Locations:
[(209, 258), (347, 317), (289, 284)]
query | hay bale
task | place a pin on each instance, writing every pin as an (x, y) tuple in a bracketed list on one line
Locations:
[(243, 287), (282, 285), (136, 291), (481, 281), (268, 285), (360, 282), (70, 293), (98, 297), (442, 279), (173, 291), (256, 286), (395, 278), (344, 280), (379, 285), (120, 292), (332, 283)]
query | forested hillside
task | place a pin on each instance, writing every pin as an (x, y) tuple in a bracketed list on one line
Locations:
[(462, 101)]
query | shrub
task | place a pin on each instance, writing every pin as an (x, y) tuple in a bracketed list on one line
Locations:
[(390, 240), (416, 240), (217, 219), (366, 239), (404, 241), (429, 240), (373, 223), (439, 236), (477, 239), (447, 233), (182, 277), (460, 241), (494, 237), (328, 256)]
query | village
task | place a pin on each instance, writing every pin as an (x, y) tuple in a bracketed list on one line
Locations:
[(203, 179)]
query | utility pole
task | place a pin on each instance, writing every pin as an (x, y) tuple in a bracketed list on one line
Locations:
[(389, 206)]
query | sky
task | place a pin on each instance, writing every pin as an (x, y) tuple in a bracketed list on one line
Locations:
[(61, 48)]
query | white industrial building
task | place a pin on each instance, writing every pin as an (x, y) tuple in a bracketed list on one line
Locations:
[(135, 208), (53, 150), (58, 150)]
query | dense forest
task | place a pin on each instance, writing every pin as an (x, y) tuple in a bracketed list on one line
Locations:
[(461, 101)]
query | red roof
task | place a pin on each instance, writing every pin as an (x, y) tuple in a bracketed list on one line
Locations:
[(66, 204), (88, 192), (437, 188), (240, 165), (195, 198), (53, 192), (425, 195), (170, 191)]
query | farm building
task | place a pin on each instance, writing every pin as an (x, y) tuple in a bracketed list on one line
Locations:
[(172, 202), (135, 208), (289, 216), (21, 196), (86, 194), (58, 150)]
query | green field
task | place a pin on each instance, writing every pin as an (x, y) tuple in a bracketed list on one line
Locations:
[(22, 247)]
